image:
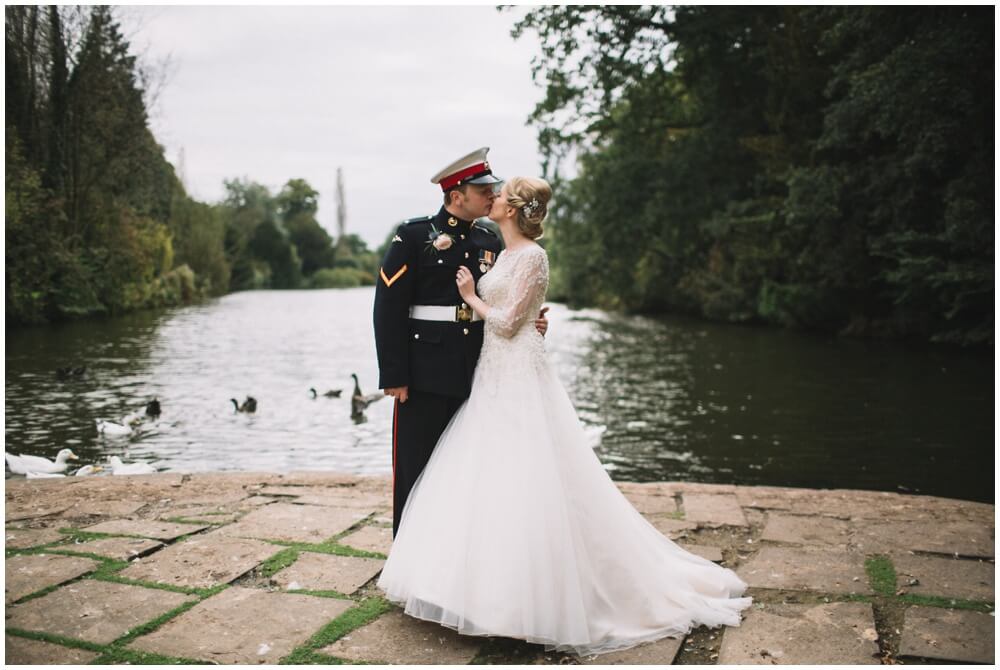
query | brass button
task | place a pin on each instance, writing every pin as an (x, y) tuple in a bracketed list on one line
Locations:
[(440, 261), (466, 254), (464, 306), (462, 236), (465, 331), (416, 336)]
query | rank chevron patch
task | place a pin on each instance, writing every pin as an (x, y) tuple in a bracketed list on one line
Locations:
[(390, 281)]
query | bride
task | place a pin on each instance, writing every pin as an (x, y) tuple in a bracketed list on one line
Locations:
[(514, 528)]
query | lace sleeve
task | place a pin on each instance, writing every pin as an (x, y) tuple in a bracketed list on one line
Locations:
[(527, 290)]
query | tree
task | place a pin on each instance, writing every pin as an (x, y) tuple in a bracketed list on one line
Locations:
[(811, 167)]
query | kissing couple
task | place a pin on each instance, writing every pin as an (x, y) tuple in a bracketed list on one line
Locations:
[(505, 523)]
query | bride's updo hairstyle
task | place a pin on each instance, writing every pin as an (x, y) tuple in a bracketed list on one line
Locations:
[(530, 197)]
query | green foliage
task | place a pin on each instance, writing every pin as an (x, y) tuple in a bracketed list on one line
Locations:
[(343, 277), (96, 221), (812, 167)]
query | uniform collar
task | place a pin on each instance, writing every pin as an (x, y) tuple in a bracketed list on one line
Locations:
[(449, 223)]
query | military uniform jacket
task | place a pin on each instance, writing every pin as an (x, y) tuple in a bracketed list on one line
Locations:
[(433, 356)]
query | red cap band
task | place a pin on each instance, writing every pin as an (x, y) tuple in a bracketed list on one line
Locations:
[(453, 179)]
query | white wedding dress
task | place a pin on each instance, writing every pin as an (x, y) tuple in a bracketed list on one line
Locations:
[(514, 528)]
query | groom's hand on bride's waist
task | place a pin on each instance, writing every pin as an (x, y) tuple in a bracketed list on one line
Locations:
[(541, 323), (400, 393)]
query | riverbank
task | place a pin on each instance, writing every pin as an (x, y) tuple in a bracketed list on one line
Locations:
[(267, 568)]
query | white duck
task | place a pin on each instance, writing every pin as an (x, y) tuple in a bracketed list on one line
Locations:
[(88, 470), (120, 468), (24, 463), (112, 429), (43, 475)]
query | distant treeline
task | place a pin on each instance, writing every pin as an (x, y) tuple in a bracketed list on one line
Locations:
[(97, 221), (820, 167)]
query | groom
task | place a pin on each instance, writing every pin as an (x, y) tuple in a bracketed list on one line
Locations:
[(427, 339)]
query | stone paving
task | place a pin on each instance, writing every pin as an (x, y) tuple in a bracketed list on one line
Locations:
[(255, 568)]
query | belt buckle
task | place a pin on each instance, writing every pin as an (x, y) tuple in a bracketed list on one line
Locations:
[(463, 313)]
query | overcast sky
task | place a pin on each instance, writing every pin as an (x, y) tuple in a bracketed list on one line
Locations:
[(390, 94)]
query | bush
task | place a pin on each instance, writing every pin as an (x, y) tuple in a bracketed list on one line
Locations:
[(341, 278)]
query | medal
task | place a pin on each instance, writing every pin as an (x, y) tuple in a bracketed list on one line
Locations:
[(486, 259)]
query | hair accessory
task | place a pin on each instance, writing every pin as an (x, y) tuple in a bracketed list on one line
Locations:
[(530, 208)]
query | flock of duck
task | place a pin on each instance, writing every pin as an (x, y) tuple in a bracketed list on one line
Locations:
[(36, 467)]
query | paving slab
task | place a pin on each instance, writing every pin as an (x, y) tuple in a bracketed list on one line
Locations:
[(713, 554), (23, 538), (120, 548), (948, 635), (327, 572), (370, 538), (112, 508), (202, 561), (661, 652), (20, 512), (828, 634), (397, 639), (672, 528), (27, 573), (711, 509), (963, 538), (823, 571), (949, 577), (158, 530), (294, 523), (652, 504), (809, 530), (22, 651), (93, 610), (243, 626)]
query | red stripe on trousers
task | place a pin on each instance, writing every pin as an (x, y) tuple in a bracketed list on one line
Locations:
[(395, 423)]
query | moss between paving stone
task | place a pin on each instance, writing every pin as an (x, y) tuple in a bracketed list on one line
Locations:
[(105, 566), (328, 548), (279, 561), (881, 575), (115, 652), (365, 612), (55, 639)]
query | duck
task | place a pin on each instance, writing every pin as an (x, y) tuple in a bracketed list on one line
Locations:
[(153, 409), (249, 405), (112, 429), (25, 463), (333, 393), (118, 467), (88, 470), (360, 401), (43, 475)]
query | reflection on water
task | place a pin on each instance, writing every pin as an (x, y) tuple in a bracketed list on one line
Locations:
[(675, 398)]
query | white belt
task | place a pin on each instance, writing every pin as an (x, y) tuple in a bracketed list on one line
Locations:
[(453, 313)]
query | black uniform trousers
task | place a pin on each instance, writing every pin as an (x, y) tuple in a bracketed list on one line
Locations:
[(416, 426)]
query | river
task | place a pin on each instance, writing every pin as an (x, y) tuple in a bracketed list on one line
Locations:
[(671, 398)]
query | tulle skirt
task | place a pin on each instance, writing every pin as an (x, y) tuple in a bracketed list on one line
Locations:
[(514, 529)]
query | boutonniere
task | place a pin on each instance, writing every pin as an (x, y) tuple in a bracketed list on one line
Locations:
[(438, 241)]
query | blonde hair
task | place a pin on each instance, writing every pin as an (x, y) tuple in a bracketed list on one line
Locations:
[(530, 197)]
